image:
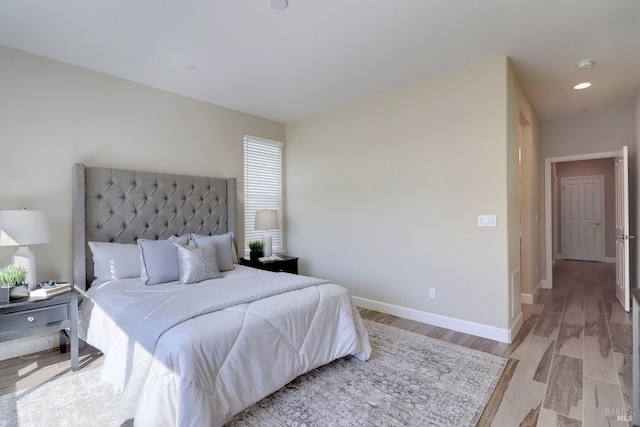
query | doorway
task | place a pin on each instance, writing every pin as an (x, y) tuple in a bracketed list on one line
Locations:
[(553, 250), (552, 163), (581, 221)]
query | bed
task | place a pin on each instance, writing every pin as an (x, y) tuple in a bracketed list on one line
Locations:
[(191, 352)]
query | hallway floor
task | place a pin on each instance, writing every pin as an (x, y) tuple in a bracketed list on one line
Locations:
[(570, 364), (574, 356)]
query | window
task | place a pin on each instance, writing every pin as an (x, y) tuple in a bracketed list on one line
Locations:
[(262, 186)]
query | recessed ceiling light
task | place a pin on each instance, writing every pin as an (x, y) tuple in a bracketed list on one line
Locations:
[(279, 4), (190, 67), (582, 85)]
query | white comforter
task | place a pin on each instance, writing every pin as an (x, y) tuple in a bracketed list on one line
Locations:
[(207, 368)]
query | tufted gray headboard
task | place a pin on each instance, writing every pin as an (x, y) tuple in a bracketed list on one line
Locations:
[(115, 205)]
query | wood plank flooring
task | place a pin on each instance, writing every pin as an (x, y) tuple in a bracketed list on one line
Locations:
[(570, 364), (22, 373)]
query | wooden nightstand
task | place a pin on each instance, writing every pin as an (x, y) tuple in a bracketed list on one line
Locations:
[(31, 316), (288, 264)]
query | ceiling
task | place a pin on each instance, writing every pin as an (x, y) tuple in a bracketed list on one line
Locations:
[(319, 55)]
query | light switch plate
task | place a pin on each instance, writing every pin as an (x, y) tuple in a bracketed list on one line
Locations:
[(487, 221)]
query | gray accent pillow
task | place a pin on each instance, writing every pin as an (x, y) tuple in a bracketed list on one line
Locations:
[(114, 261), (197, 264), (159, 259), (223, 248)]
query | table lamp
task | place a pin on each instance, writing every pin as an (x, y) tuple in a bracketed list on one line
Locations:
[(267, 219), (23, 228)]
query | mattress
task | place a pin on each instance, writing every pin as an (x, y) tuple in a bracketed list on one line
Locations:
[(206, 368)]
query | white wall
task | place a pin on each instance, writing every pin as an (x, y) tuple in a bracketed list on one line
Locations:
[(382, 196), (54, 115)]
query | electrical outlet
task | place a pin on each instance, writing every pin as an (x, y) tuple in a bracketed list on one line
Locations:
[(432, 293)]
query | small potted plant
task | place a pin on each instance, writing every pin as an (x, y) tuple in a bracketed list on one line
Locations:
[(256, 250), (10, 277)]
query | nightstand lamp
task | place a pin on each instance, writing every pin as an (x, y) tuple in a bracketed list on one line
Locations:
[(267, 219), (23, 228)]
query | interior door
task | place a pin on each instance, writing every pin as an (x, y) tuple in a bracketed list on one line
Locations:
[(582, 218), (622, 228)]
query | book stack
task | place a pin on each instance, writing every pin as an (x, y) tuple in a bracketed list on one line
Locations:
[(47, 292)]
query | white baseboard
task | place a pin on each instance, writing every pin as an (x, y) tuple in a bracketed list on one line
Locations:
[(25, 346), (465, 326), (517, 324), (527, 298), (530, 298), (544, 284), (608, 259)]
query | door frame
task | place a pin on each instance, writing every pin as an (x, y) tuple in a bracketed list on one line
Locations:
[(600, 179), (622, 207), (548, 224)]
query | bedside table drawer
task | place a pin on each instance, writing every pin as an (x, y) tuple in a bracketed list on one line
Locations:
[(286, 264), (35, 318)]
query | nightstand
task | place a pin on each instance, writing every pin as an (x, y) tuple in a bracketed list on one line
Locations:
[(31, 316), (288, 264)]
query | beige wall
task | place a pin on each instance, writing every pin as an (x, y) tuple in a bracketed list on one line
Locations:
[(587, 133), (383, 196), (605, 167), (523, 187), (54, 115)]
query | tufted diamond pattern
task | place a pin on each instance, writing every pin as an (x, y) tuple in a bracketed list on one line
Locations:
[(123, 205)]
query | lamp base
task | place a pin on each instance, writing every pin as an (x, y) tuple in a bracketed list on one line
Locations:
[(266, 241), (23, 257)]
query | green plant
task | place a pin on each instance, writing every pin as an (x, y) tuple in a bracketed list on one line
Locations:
[(12, 275), (256, 245)]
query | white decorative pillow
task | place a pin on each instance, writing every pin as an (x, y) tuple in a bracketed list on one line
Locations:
[(114, 261), (159, 259), (197, 264), (223, 248)]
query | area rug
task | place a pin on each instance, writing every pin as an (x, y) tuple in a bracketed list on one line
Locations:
[(410, 380), (77, 401)]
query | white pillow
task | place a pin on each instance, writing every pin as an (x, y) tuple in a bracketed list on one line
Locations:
[(224, 245), (114, 261)]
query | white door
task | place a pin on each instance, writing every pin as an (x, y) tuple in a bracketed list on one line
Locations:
[(622, 228), (582, 218)]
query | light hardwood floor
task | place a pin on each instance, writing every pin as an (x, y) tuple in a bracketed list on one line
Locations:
[(570, 364), (22, 373)]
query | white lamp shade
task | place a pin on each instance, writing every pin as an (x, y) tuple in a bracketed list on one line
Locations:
[(267, 219), (24, 227)]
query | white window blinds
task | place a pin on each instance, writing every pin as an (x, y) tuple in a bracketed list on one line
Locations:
[(262, 186)]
